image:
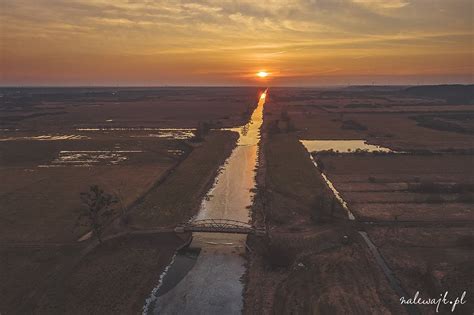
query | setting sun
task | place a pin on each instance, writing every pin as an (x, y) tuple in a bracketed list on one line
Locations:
[(262, 74)]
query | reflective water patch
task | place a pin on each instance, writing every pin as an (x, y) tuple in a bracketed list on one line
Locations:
[(342, 146), (46, 138), (89, 158)]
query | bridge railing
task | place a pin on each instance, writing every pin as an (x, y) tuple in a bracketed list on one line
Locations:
[(219, 226)]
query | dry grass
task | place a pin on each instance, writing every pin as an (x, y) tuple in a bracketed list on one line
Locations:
[(304, 268), (41, 204), (115, 278), (165, 107), (381, 187), (179, 197), (430, 260)]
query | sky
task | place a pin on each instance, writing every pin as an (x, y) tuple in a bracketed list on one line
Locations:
[(218, 42)]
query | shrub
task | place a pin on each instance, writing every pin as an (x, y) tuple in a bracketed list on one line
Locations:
[(278, 255), (97, 208), (352, 125)]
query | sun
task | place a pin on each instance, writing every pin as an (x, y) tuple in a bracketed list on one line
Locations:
[(262, 74)]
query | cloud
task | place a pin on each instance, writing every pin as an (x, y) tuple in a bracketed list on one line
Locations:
[(383, 4), (232, 34)]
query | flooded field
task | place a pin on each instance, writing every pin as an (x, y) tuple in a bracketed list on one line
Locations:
[(342, 146), (208, 281), (177, 135), (46, 138), (89, 158), (165, 133)]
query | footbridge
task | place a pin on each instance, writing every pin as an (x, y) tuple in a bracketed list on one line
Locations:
[(219, 226)]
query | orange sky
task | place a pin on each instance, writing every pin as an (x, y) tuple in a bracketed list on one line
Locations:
[(214, 42)]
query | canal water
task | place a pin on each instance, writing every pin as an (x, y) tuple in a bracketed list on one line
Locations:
[(206, 277)]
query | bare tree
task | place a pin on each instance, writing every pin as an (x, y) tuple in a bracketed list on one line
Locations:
[(317, 208), (202, 130), (97, 207), (119, 197)]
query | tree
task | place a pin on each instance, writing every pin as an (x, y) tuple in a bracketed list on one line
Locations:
[(97, 206), (202, 130), (317, 208), (284, 115), (274, 127), (286, 119), (119, 197), (333, 206)]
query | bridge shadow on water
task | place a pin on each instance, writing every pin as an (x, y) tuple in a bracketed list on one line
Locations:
[(183, 262)]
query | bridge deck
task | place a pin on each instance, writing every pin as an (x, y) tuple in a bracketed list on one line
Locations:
[(219, 226)]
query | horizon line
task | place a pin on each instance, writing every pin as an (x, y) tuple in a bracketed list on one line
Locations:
[(230, 86)]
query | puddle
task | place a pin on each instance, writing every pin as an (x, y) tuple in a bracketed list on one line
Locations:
[(179, 135), (90, 158), (342, 146), (165, 133), (85, 237), (176, 152), (46, 138)]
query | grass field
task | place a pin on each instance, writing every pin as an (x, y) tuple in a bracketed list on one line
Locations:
[(159, 177), (431, 187)]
